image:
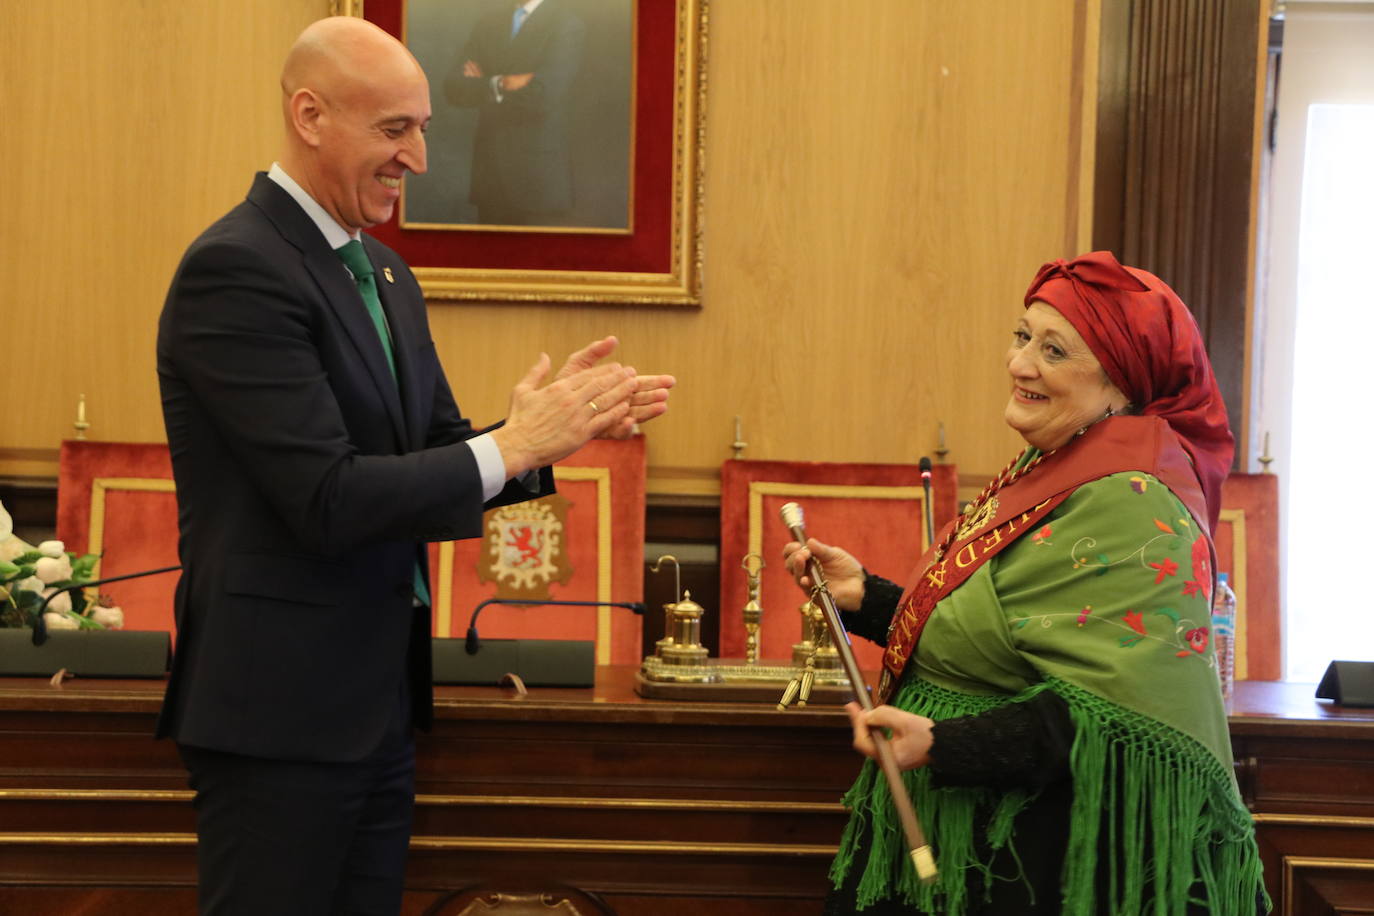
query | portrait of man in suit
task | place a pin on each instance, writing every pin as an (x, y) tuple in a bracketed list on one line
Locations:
[(536, 129)]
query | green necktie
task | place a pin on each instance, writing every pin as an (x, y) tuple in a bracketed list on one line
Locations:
[(356, 260)]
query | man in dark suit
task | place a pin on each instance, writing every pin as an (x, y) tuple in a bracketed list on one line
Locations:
[(316, 447), (517, 68)]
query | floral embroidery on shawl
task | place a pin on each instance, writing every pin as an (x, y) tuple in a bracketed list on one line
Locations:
[(1188, 638)]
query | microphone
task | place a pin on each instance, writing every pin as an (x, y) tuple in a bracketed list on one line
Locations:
[(472, 643), (930, 514)]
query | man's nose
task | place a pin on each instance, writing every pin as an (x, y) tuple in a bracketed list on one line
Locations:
[(413, 155)]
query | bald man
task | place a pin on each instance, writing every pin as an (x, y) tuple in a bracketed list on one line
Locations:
[(316, 447)]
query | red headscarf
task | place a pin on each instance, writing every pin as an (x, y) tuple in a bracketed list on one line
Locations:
[(1150, 347)]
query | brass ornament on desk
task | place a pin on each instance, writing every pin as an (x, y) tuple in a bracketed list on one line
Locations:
[(1266, 459), (941, 450), (686, 647), (681, 669), (815, 655), (679, 657), (667, 639)]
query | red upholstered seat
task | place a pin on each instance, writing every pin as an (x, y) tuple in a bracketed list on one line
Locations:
[(584, 543), (117, 499), (1247, 541), (875, 511)]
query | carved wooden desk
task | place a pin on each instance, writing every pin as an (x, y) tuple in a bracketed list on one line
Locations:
[(659, 806), (662, 807), (1306, 769)]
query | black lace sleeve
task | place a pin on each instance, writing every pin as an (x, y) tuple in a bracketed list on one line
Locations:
[(873, 616), (1020, 745)]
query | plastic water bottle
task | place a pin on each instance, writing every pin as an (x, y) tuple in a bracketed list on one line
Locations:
[(1224, 633)]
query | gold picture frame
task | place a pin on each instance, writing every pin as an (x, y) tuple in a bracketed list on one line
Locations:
[(659, 260)]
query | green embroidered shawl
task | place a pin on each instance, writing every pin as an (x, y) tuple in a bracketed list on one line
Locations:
[(1106, 604)]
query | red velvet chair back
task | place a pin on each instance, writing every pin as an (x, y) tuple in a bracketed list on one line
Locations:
[(117, 499), (1247, 542), (584, 543), (875, 511)]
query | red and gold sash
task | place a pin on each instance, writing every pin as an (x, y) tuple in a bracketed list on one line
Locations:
[(993, 523)]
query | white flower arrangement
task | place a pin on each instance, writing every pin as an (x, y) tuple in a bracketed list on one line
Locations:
[(30, 574)]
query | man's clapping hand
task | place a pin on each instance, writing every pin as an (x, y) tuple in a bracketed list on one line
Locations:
[(585, 400)]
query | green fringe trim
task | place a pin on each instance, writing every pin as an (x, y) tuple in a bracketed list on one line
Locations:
[(1161, 796)]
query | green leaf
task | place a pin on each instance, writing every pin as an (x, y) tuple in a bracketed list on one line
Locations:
[(28, 557), (1168, 612), (82, 567), (8, 571)]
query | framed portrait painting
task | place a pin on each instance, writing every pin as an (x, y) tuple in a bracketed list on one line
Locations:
[(564, 152)]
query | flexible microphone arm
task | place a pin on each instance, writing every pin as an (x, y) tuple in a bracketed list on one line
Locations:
[(473, 643), (40, 628), (930, 512)]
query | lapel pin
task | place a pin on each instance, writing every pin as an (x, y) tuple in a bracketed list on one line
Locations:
[(386, 272)]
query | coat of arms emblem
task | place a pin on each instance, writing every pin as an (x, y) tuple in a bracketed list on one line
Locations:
[(524, 549)]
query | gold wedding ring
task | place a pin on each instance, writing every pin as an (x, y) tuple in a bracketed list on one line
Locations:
[(592, 405)]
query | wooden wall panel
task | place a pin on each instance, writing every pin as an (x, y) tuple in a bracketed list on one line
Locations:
[(129, 127), (880, 187), (879, 190)]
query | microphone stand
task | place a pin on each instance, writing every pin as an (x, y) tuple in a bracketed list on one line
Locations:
[(930, 510), (40, 628), (473, 644)]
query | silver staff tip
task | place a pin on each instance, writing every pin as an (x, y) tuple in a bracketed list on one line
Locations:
[(791, 514)]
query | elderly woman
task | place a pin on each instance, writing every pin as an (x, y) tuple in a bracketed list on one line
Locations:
[(1052, 688)]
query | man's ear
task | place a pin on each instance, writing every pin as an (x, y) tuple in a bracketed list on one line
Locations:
[(307, 113)]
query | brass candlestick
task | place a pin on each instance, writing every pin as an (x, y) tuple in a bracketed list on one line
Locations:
[(753, 611)]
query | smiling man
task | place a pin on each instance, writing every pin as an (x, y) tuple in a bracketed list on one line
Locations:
[(316, 447)]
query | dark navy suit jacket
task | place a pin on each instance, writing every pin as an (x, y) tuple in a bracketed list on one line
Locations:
[(307, 482)]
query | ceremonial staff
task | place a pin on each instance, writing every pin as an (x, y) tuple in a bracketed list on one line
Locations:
[(921, 855)]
